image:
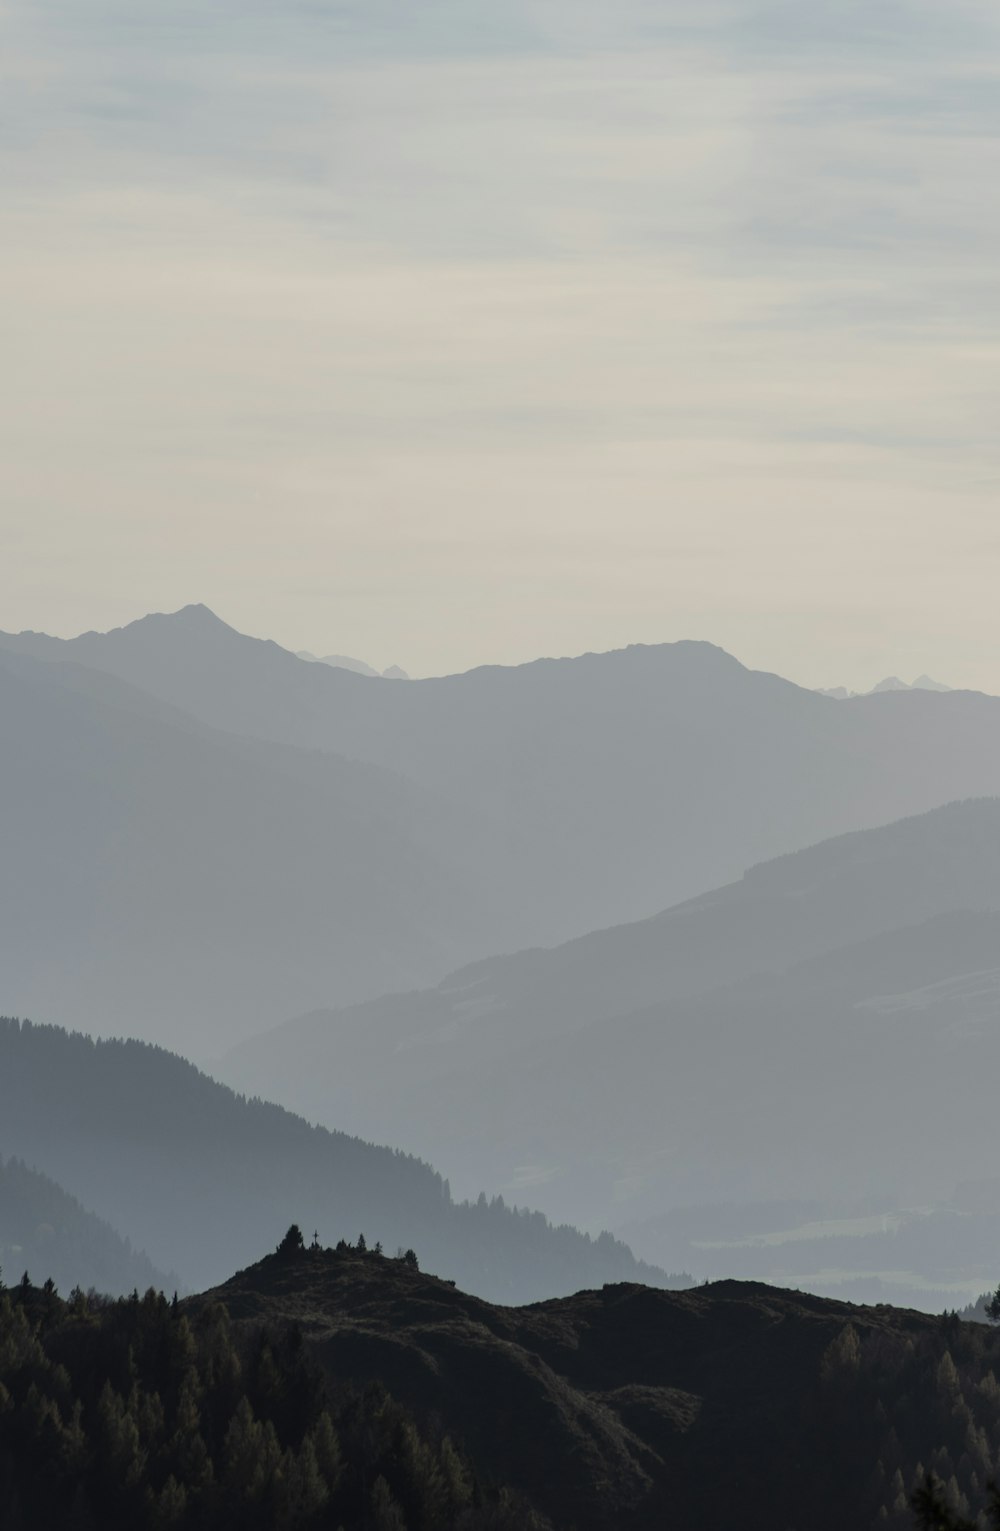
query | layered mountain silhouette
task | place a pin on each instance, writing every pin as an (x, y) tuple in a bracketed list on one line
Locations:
[(198, 1175), (204, 833), (483, 898), (46, 1233), (582, 793), (836, 1000)]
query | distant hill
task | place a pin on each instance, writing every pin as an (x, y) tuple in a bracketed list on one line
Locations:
[(200, 1176), (827, 1000), (602, 788), (47, 1233)]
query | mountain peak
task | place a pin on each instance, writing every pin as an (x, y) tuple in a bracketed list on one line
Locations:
[(195, 619), (196, 616)]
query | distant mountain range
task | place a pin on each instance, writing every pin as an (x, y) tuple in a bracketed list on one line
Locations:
[(842, 1001), (345, 662), (204, 832), (890, 683), (199, 1176)]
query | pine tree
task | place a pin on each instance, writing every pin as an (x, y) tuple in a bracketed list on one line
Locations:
[(292, 1242), (386, 1514), (931, 1509), (327, 1449)]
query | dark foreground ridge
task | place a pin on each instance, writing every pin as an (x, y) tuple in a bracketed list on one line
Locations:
[(731, 1404), (342, 1388)]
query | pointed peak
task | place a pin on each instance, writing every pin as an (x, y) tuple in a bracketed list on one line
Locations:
[(927, 683), (194, 618), (195, 614)]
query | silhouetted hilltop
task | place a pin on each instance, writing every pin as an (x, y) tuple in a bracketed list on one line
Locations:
[(199, 1175), (47, 1233), (726, 1405)]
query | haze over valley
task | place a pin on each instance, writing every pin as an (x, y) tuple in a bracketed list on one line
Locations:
[(495, 902)]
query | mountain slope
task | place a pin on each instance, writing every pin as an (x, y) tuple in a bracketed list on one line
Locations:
[(47, 1233), (850, 1057), (609, 785), (834, 1000), (200, 1176), (430, 1060), (875, 1063), (161, 873)]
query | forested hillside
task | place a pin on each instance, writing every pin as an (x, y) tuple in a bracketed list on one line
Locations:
[(731, 1404), (131, 1416), (199, 1176), (48, 1234)]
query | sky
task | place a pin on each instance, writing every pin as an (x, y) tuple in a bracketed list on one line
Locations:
[(467, 331)]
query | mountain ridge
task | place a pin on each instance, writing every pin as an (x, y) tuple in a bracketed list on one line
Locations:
[(624, 1407), (605, 787)]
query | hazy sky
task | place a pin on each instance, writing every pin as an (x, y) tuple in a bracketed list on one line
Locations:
[(445, 331)]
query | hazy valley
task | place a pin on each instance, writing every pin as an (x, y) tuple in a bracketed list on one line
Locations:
[(320, 837)]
